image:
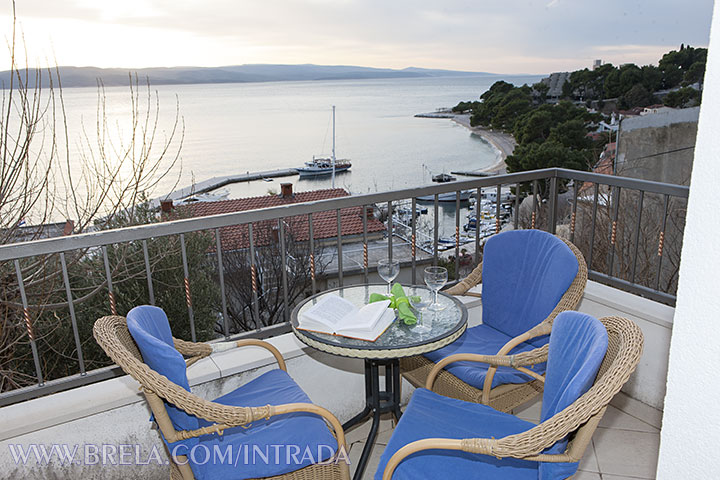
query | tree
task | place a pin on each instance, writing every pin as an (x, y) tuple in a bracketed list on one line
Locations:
[(546, 155), (637, 96), (105, 186), (682, 98), (571, 134), (298, 264)]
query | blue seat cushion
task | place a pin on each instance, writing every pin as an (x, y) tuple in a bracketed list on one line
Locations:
[(429, 415), (577, 347), (265, 448), (485, 340), (150, 329), (525, 274)]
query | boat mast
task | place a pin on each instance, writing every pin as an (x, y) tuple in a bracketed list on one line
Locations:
[(333, 148)]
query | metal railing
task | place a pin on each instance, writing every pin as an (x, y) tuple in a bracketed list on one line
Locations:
[(584, 204)]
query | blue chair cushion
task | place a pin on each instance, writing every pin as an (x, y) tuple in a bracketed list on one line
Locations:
[(429, 415), (265, 448), (483, 339), (525, 274), (578, 346), (150, 329)]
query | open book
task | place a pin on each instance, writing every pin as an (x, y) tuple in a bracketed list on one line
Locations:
[(337, 316)]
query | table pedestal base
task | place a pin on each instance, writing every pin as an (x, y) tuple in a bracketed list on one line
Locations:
[(376, 403)]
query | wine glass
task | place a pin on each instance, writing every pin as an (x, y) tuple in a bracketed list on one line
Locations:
[(435, 278), (420, 300), (388, 270)]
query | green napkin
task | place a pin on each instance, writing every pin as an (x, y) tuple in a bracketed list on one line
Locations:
[(398, 301)]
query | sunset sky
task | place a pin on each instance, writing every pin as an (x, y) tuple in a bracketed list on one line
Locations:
[(510, 36)]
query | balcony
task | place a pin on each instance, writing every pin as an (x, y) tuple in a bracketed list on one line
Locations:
[(629, 231)]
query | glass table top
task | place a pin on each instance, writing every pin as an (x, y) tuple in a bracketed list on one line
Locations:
[(399, 335)]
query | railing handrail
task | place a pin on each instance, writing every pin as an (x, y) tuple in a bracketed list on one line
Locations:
[(651, 186), (175, 227)]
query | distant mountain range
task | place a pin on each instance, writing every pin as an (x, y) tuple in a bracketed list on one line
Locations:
[(89, 76)]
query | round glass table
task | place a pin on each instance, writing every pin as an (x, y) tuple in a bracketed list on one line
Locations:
[(399, 340)]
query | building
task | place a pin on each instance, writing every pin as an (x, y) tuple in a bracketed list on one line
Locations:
[(658, 146), (325, 223)]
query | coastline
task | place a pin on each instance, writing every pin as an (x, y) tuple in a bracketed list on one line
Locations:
[(504, 143)]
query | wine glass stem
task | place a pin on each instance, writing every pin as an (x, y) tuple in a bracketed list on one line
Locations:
[(435, 294), (389, 287)]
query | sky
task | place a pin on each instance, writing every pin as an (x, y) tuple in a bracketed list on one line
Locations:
[(510, 36)]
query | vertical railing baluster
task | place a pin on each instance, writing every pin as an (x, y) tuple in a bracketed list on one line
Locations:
[(637, 234), (613, 229), (413, 239), (661, 241), (71, 308), (478, 197), (28, 323), (592, 230), (108, 278), (435, 231), (573, 218), (497, 208), (366, 265), (457, 235), (517, 205), (146, 256), (339, 248), (552, 223), (283, 255), (186, 282), (221, 278), (390, 230), (311, 235), (254, 273), (533, 220)]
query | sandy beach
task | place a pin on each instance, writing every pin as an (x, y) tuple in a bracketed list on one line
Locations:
[(503, 142)]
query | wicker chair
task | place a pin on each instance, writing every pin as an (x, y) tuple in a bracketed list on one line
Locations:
[(114, 337), (503, 397), (560, 440)]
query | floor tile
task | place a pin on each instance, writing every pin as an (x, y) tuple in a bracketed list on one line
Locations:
[(614, 418), (372, 465), (587, 476), (637, 409), (605, 476), (589, 462), (360, 432), (530, 410), (625, 452)]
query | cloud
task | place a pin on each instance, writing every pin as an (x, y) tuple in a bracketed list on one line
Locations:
[(507, 37)]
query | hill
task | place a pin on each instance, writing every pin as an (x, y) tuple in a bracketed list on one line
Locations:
[(89, 76)]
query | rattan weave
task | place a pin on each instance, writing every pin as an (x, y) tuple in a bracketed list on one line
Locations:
[(503, 397), (578, 421), (112, 335)]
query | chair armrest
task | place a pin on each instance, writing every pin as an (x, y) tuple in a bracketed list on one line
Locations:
[(225, 346), (271, 411), (543, 328), (197, 351), (474, 278), (158, 387), (517, 361), (482, 446)]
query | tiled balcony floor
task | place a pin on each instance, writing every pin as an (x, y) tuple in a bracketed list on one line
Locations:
[(624, 447)]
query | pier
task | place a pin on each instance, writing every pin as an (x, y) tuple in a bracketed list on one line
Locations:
[(217, 182)]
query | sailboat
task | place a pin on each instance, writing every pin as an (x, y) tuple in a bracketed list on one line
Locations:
[(323, 165)]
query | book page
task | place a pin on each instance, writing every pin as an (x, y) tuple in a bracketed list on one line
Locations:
[(365, 318), (330, 311), (386, 319)]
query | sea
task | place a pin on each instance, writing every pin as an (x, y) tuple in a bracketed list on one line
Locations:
[(247, 127)]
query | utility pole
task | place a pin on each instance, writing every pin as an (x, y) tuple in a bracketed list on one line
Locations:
[(333, 149)]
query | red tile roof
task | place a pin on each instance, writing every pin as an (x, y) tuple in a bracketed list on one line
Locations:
[(324, 223)]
